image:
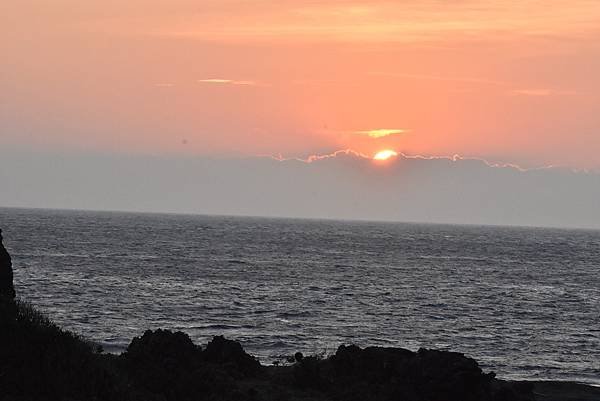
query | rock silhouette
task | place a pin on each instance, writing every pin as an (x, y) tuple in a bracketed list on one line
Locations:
[(231, 354), (167, 365), (7, 289), (377, 373), (40, 361), (170, 365)]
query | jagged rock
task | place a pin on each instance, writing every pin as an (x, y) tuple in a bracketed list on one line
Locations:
[(164, 347), (7, 289), (447, 376), (372, 362), (382, 374), (231, 354), (166, 365)]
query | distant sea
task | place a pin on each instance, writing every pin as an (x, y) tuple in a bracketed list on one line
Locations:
[(524, 302)]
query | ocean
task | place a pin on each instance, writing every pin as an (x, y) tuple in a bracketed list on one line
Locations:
[(524, 302)]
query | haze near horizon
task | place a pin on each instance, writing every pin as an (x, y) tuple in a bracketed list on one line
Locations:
[(344, 185), (173, 85)]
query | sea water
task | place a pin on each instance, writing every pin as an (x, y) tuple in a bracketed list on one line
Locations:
[(524, 302)]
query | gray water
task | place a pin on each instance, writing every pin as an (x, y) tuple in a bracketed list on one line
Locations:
[(523, 302)]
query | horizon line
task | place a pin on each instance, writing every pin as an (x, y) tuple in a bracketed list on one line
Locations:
[(282, 217)]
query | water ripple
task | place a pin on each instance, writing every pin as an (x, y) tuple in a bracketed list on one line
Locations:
[(523, 302)]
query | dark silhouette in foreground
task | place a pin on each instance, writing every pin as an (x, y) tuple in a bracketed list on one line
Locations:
[(40, 361), (7, 289)]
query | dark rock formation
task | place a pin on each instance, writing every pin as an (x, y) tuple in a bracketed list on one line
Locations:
[(231, 355), (39, 361), (174, 350), (382, 374), (167, 366), (7, 290)]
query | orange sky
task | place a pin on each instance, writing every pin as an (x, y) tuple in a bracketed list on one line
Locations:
[(511, 81)]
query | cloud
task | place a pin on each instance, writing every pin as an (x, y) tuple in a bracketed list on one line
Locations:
[(222, 81), (341, 185), (474, 80), (541, 92), (402, 156), (314, 158), (367, 20), (380, 133)]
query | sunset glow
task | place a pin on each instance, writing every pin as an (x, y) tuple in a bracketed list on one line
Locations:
[(384, 154), (395, 171), (502, 80)]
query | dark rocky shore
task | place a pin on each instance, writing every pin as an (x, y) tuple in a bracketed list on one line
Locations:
[(40, 361)]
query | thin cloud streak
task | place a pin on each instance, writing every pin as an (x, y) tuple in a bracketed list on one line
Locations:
[(381, 133), (541, 92), (368, 21), (222, 81), (474, 80)]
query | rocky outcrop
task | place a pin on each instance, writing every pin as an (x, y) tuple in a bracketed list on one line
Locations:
[(7, 289), (169, 366), (232, 356), (40, 361), (380, 374), (163, 347), (166, 365)]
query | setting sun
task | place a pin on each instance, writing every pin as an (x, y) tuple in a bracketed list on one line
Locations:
[(384, 154)]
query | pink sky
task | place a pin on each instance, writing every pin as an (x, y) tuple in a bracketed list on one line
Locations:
[(510, 81)]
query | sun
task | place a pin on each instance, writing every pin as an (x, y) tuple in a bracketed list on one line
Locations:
[(384, 154)]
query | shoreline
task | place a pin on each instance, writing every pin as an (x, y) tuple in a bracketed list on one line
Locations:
[(280, 361), (491, 300), (39, 360)]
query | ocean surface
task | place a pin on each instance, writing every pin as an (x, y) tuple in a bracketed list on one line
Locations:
[(523, 302)]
